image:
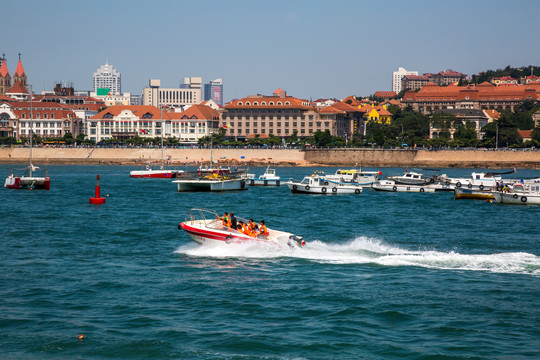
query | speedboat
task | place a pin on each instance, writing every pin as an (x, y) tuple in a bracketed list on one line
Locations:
[(392, 186), (355, 177), (269, 178), (520, 193), (316, 184), (205, 227)]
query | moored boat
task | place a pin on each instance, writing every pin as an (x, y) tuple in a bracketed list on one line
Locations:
[(205, 227), (521, 193), (411, 178), (29, 181), (392, 186), (316, 184), (355, 177), (269, 178), (161, 173), (202, 181), (470, 194)]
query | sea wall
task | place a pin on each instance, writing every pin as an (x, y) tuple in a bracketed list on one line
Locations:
[(284, 157)]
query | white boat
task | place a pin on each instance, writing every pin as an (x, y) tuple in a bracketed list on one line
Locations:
[(269, 178), (29, 180), (521, 193), (411, 178), (316, 184), (392, 186), (161, 173), (204, 227), (211, 182), (355, 176)]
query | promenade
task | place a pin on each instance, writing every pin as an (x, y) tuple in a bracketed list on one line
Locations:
[(279, 157)]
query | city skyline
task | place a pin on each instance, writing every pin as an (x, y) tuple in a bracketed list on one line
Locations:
[(310, 49)]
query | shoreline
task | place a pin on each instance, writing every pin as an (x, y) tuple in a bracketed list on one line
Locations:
[(277, 157)]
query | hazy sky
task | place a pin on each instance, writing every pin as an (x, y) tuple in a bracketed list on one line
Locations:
[(311, 48)]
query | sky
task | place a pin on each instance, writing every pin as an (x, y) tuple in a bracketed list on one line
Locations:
[(312, 49)]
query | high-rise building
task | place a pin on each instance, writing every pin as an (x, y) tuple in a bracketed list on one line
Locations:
[(397, 76), (108, 77), (155, 95), (214, 91)]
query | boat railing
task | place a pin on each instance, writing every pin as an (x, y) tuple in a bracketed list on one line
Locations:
[(197, 214)]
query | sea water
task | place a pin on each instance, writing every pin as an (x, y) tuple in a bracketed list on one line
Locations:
[(383, 275)]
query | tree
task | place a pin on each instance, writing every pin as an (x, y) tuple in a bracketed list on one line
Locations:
[(322, 138), (536, 134), (293, 138)]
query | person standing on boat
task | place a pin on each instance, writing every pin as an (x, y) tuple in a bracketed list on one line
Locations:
[(225, 219), (233, 220)]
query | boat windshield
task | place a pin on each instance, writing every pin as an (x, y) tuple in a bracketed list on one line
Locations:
[(305, 180)]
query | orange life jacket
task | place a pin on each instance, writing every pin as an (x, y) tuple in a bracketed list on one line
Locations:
[(263, 230), (226, 221)]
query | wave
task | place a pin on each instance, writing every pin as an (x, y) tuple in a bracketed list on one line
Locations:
[(365, 250)]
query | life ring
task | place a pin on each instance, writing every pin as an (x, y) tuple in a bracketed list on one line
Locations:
[(422, 190), (357, 191), (394, 188), (265, 182), (515, 196), (469, 186), (325, 183), (228, 239), (307, 187), (252, 182), (147, 167), (408, 188), (334, 189), (294, 187), (481, 187), (324, 190), (277, 183), (524, 199), (458, 184), (243, 184)]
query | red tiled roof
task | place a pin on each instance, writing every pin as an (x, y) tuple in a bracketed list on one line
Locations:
[(17, 88), (60, 111), (494, 114), (19, 70), (432, 92), (331, 110), (6, 98), (525, 134), (385, 94), (416, 77), (200, 112), (138, 110), (3, 69), (294, 103), (353, 100)]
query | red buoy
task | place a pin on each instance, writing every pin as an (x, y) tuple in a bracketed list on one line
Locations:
[(97, 200)]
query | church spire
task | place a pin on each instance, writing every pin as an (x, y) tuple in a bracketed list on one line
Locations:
[(3, 68), (19, 71)]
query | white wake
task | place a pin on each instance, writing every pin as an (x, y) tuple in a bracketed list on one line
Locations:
[(363, 250)]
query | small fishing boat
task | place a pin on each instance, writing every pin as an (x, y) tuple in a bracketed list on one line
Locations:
[(411, 178), (316, 184), (269, 178), (470, 194), (392, 186), (205, 227), (355, 177), (521, 193)]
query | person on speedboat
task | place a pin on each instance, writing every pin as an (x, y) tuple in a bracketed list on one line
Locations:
[(225, 219), (233, 220), (263, 230)]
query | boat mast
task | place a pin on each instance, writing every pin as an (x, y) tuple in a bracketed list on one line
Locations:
[(211, 146), (31, 128), (162, 129)]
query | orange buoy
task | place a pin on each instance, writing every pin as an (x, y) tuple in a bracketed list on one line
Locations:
[(81, 336), (97, 200)]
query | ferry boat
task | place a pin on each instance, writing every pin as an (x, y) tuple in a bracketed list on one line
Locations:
[(204, 227), (521, 193), (355, 176), (269, 178), (316, 184), (392, 186)]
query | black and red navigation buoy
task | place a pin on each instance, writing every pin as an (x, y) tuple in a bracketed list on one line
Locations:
[(97, 200)]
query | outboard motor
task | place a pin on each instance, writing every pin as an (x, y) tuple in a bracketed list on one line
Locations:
[(179, 226), (296, 241)]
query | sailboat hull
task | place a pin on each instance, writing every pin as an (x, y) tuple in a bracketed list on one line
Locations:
[(157, 174), (27, 182)]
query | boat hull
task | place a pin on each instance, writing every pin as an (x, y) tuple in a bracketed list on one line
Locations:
[(257, 182), (517, 199), (467, 194), (27, 182), (297, 188), (211, 185), (403, 188), (155, 174)]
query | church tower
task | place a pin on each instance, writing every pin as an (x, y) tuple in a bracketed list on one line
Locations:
[(19, 74), (5, 78)]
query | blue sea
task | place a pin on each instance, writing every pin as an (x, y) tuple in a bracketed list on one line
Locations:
[(383, 275)]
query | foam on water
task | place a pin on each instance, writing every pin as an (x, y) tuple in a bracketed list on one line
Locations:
[(364, 250)]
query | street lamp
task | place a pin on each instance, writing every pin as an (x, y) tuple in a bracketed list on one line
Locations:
[(497, 137)]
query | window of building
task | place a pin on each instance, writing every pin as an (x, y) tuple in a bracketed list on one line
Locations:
[(247, 124), (318, 124), (248, 103), (287, 103), (310, 124), (286, 124), (294, 124), (310, 117), (271, 124), (263, 131), (263, 103), (302, 124), (327, 124), (255, 103), (271, 103)]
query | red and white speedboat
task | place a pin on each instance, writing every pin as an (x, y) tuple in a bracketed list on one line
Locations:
[(161, 173), (204, 227)]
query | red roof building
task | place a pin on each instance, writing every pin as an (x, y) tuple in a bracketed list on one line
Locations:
[(385, 94)]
